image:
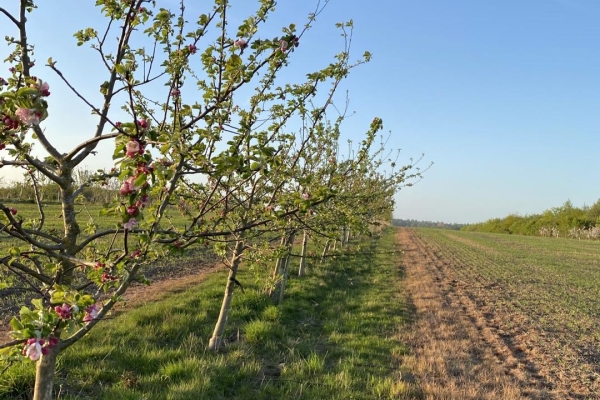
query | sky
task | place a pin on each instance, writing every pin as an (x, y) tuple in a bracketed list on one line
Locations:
[(502, 96)]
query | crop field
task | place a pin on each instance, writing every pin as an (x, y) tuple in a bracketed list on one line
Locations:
[(534, 301)]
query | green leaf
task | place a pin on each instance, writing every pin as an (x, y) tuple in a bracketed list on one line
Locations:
[(120, 68), (141, 180), (38, 304), (16, 324), (58, 297), (27, 91)]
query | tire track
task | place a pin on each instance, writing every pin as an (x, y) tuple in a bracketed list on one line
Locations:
[(472, 358)]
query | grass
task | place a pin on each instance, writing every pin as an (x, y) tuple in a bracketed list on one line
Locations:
[(334, 337), (12, 297)]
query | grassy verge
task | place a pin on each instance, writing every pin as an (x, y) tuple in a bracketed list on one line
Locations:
[(334, 337)]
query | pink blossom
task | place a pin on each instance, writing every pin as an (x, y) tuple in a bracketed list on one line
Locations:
[(128, 186), (192, 48), (175, 92), (241, 43), (33, 349), (136, 254), (143, 168), (107, 278), (143, 123), (133, 211), (45, 89), (52, 341), (129, 225), (10, 122), (91, 313), (305, 196), (283, 45), (28, 116), (64, 311), (13, 211), (143, 201), (133, 148)]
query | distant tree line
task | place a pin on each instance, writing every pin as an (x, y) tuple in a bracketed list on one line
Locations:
[(564, 221), (426, 224), (35, 184)]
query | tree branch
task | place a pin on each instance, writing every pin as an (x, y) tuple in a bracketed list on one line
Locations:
[(9, 15)]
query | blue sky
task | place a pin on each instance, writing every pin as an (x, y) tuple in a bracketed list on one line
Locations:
[(503, 96)]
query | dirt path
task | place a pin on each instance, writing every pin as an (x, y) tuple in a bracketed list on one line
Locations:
[(456, 352)]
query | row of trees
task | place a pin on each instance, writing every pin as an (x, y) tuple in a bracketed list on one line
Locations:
[(246, 176), (563, 221), (35, 184), (426, 224)]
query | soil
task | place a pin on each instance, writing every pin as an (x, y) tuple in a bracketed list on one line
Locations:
[(461, 350)]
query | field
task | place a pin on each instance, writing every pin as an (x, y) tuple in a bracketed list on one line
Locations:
[(457, 315), (527, 307)]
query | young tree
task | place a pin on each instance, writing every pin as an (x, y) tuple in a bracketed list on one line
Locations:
[(168, 154)]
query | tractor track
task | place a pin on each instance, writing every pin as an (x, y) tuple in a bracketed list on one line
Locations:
[(482, 353)]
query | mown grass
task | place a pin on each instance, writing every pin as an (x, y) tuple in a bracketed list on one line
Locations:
[(334, 337)]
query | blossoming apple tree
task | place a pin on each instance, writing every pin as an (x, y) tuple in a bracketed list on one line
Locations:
[(180, 136)]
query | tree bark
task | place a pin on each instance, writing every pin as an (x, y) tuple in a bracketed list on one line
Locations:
[(325, 250), (44, 375), (281, 270), (277, 271), (217, 338), (302, 268), (286, 270)]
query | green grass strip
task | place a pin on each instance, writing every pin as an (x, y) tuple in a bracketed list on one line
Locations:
[(334, 337)]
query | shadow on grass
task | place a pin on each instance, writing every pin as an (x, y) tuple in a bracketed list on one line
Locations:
[(334, 337)]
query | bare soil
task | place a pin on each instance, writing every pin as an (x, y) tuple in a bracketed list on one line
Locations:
[(461, 350)]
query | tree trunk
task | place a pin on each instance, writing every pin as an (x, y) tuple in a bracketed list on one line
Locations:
[(277, 269), (343, 238), (325, 249), (302, 269), (44, 375), (284, 279), (281, 270), (217, 337)]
